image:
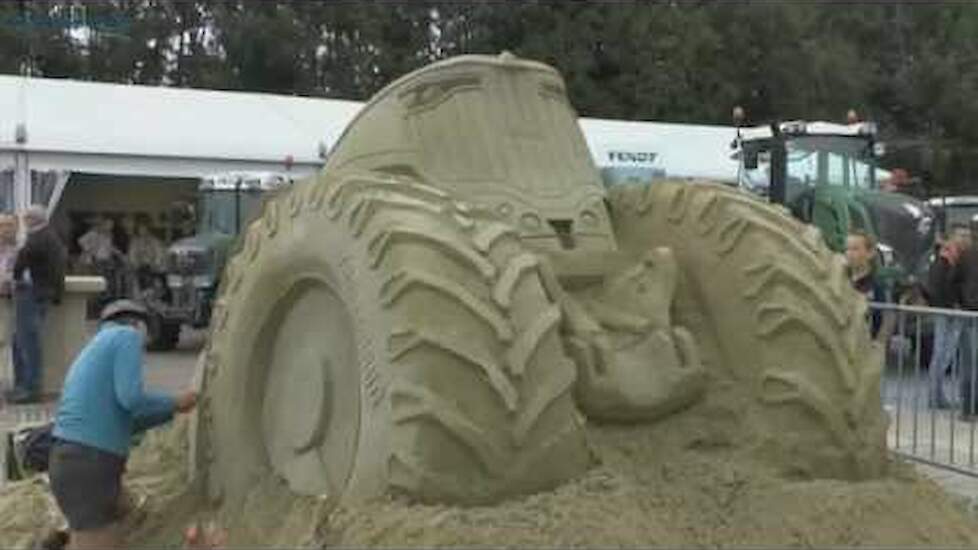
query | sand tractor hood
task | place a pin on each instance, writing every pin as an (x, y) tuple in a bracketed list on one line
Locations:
[(497, 132)]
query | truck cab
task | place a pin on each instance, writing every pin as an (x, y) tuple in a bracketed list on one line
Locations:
[(953, 210)]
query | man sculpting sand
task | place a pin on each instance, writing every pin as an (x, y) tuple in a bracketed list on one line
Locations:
[(102, 402)]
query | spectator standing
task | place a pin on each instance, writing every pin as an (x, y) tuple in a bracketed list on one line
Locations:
[(96, 244), (38, 281), (860, 255), (100, 252), (123, 232), (964, 282), (146, 257), (145, 250), (899, 178), (947, 330)]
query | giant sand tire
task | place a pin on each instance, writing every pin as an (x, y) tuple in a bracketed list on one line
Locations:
[(370, 337), (783, 334)]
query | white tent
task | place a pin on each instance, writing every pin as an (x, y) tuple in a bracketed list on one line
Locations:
[(55, 126), (623, 149), (122, 129), (662, 149)]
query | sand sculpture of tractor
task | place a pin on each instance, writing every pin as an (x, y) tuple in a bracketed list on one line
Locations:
[(440, 311)]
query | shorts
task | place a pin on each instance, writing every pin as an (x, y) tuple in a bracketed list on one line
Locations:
[(87, 484)]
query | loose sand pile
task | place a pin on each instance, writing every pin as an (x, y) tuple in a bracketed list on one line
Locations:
[(25, 513), (699, 494), (674, 484)]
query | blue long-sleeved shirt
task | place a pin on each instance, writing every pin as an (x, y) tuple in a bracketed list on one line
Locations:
[(103, 392)]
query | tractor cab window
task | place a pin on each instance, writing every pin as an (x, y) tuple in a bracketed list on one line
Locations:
[(831, 160), (812, 161), (228, 211), (755, 169), (216, 212), (251, 205)]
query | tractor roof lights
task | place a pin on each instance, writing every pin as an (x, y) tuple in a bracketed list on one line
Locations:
[(794, 127), (867, 129)]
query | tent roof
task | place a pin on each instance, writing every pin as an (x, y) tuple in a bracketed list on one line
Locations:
[(117, 120), (163, 131)]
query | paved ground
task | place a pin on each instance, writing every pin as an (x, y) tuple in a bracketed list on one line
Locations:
[(932, 434), (174, 370)]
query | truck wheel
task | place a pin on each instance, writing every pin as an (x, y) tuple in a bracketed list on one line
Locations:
[(163, 335), (781, 330), (370, 336)]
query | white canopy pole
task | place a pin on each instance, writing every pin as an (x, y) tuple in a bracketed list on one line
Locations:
[(22, 189), (60, 182)]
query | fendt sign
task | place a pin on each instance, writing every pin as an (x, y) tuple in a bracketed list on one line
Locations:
[(632, 157)]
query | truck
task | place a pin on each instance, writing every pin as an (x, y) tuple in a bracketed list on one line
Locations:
[(226, 203), (953, 210)]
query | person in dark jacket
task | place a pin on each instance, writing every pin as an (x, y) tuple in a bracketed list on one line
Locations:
[(965, 283), (944, 293), (39, 273)]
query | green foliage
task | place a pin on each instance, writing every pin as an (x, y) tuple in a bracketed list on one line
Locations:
[(913, 67)]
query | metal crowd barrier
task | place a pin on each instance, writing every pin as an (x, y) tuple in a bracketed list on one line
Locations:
[(930, 384), (915, 339)]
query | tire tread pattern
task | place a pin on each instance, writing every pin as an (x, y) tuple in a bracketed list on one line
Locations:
[(532, 390), (794, 286)]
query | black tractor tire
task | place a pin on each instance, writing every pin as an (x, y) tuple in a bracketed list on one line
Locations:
[(163, 335), (372, 337), (782, 333)]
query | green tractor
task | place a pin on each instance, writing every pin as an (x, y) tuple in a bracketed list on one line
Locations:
[(826, 175), (227, 202)]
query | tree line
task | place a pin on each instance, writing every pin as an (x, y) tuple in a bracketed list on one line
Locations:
[(912, 67)]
